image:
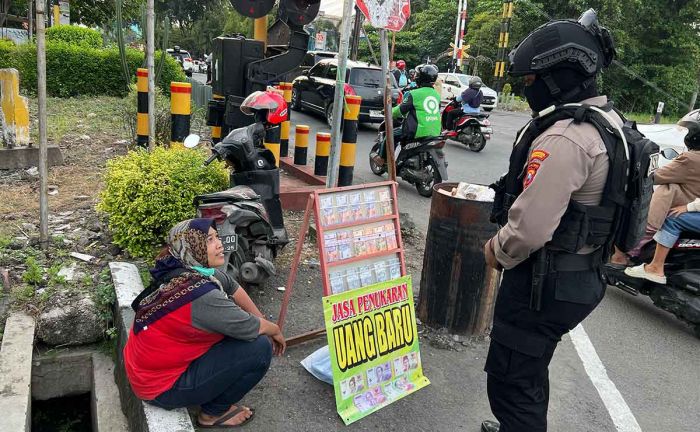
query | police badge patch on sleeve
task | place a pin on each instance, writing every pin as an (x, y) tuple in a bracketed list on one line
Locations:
[(530, 173), (536, 158)]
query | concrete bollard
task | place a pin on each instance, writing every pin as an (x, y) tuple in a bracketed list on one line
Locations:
[(285, 127), (142, 107), (323, 151), (349, 140), (14, 114), (301, 144), (180, 110), (272, 143)]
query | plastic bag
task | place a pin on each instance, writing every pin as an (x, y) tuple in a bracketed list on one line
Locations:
[(318, 364)]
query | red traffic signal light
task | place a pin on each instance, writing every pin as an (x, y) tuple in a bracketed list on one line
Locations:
[(253, 8)]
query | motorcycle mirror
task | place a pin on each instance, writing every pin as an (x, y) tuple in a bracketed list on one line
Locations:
[(191, 141), (669, 153)]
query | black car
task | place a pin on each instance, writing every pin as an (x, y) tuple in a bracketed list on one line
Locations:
[(315, 89)]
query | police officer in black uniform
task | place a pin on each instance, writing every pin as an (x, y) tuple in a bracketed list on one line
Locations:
[(549, 284)]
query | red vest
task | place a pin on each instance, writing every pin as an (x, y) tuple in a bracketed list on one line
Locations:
[(156, 357)]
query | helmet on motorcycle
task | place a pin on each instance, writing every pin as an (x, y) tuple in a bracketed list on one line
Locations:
[(426, 74), (269, 103), (691, 121), (401, 65), (565, 56), (475, 83)]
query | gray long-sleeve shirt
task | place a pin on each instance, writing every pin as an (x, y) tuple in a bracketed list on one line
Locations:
[(216, 312)]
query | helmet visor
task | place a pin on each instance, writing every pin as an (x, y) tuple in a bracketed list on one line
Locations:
[(257, 101)]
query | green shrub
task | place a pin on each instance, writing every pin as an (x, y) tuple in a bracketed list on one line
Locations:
[(506, 89), (74, 35), (74, 70), (146, 193)]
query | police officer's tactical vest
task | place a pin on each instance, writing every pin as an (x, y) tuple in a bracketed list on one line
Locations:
[(621, 217)]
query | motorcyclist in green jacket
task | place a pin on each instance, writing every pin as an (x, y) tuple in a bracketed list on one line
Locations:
[(420, 109)]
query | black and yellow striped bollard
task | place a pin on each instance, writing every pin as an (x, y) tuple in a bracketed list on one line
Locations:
[(217, 118), (142, 107), (301, 144), (323, 151), (180, 110), (285, 127), (272, 143), (349, 141)]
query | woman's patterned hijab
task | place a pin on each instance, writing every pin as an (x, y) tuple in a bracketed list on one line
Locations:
[(180, 281), (187, 242)]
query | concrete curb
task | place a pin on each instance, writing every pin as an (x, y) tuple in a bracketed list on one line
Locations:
[(141, 416), (106, 410), (16, 373)]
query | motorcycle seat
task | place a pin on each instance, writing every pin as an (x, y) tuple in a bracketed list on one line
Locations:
[(234, 194), (690, 235), (686, 279)]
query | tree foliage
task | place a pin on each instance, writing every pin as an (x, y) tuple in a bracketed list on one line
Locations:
[(97, 13), (658, 42)]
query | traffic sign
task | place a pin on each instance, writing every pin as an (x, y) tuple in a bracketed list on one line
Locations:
[(388, 14)]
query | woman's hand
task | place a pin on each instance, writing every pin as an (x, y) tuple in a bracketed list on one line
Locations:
[(279, 344), (677, 211), (272, 330)]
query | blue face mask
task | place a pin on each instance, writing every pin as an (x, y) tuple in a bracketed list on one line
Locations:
[(206, 271)]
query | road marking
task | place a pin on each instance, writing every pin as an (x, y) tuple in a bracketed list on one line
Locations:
[(618, 409)]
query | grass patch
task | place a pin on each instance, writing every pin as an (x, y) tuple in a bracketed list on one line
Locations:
[(649, 118), (84, 115)]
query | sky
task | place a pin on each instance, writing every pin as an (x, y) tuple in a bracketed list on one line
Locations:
[(332, 7)]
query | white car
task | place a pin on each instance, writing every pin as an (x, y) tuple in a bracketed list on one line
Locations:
[(184, 58), (453, 84)]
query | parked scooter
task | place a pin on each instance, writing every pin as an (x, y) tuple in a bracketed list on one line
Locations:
[(472, 130), (249, 236), (681, 293), (421, 162), (249, 214)]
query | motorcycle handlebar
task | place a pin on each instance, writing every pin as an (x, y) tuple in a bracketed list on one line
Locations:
[(211, 159)]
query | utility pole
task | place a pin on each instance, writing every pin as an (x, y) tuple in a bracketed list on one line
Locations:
[(150, 48), (388, 119), (503, 37), (339, 97), (456, 40), (43, 156), (460, 41), (30, 25), (356, 31)]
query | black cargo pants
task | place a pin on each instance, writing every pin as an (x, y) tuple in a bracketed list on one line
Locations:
[(523, 341)]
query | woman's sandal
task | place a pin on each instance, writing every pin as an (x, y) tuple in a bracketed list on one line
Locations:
[(219, 423)]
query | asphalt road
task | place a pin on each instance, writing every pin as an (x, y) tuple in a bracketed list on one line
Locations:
[(652, 359)]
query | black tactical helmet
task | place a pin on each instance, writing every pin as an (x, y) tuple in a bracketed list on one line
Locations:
[(565, 56), (691, 121), (581, 45), (426, 74)]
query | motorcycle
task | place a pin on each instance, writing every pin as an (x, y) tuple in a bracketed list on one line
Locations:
[(472, 130), (248, 215), (681, 293), (420, 162)]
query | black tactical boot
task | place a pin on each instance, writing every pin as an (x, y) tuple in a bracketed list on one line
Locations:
[(490, 426)]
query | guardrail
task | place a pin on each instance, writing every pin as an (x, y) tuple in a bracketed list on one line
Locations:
[(201, 93)]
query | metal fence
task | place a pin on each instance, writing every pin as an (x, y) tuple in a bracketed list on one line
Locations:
[(201, 93)]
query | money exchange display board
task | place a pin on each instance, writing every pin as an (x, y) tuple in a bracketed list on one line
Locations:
[(368, 304)]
